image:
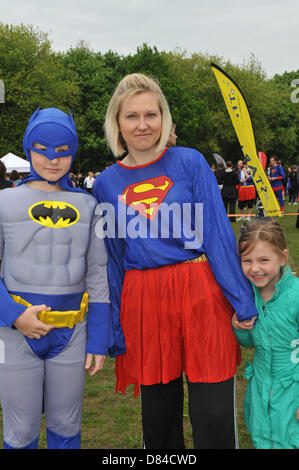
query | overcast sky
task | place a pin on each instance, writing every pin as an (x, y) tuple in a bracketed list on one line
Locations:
[(232, 29)]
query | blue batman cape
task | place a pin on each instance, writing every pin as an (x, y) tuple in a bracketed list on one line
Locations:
[(52, 128)]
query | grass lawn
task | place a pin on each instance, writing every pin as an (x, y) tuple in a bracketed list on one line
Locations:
[(112, 421)]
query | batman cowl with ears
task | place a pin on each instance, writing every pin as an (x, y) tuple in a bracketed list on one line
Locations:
[(52, 128), (52, 269)]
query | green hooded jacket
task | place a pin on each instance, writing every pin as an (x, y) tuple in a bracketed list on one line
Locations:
[(272, 394)]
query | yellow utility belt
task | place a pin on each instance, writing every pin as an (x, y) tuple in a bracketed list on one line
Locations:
[(59, 319), (202, 257)]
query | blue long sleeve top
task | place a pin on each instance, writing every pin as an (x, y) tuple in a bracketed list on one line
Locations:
[(164, 213)]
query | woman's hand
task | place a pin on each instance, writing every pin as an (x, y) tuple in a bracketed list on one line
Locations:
[(30, 325), (98, 363), (243, 325)]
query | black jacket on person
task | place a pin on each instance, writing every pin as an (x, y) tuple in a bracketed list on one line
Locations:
[(6, 184), (293, 180), (230, 181), (218, 174)]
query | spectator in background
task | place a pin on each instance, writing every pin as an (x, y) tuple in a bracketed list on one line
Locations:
[(4, 181), (80, 181), (218, 173), (15, 177), (229, 192), (73, 179), (288, 181), (89, 182), (240, 166), (239, 169), (172, 137), (247, 193), (276, 175), (293, 186)]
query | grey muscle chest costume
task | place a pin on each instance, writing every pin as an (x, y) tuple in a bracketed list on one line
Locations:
[(48, 249), (44, 256)]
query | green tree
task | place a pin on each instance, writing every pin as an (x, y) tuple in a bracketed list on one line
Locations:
[(285, 119), (33, 77), (96, 76), (84, 80), (202, 118)]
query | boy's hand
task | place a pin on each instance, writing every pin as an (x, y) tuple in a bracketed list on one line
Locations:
[(98, 363), (30, 325)]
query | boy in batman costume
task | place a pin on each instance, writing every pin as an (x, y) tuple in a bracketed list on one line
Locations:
[(55, 320)]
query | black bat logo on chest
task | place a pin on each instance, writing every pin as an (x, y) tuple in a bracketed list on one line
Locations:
[(55, 214)]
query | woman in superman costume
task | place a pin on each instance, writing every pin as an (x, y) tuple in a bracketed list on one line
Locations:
[(174, 275)]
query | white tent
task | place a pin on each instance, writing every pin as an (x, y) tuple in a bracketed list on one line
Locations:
[(12, 162)]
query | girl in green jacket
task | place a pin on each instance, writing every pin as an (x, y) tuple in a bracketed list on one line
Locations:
[(271, 405)]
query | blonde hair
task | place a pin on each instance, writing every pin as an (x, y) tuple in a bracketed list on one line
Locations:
[(268, 231), (127, 87)]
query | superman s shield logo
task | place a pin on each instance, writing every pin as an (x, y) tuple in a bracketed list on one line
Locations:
[(146, 196)]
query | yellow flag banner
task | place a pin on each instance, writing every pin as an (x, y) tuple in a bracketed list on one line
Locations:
[(240, 117)]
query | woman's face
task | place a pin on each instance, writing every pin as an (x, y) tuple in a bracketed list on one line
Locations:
[(140, 122)]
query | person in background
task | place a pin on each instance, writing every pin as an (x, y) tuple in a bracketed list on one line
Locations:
[(89, 182), (288, 185), (276, 175), (293, 186), (239, 166), (172, 137), (80, 181), (4, 181), (73, 179), (15, 177), (247, 193), (229, 192), (219, 174)]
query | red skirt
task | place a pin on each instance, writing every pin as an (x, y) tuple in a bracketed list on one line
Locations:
[(175, 319), (246, 193)]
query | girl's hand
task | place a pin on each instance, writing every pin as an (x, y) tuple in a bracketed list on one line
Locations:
[(98, 363), (30, 325), (243, 325)]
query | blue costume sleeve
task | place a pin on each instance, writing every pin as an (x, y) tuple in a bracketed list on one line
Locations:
[(99, 328), (219, 242), (115, 250), (9, 309), (281, 171), (115, 269), (99, 321)]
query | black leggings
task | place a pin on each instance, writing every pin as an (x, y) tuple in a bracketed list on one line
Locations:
[(211, 408)]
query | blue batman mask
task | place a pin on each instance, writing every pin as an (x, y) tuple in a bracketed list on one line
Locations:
[(52, 128)]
